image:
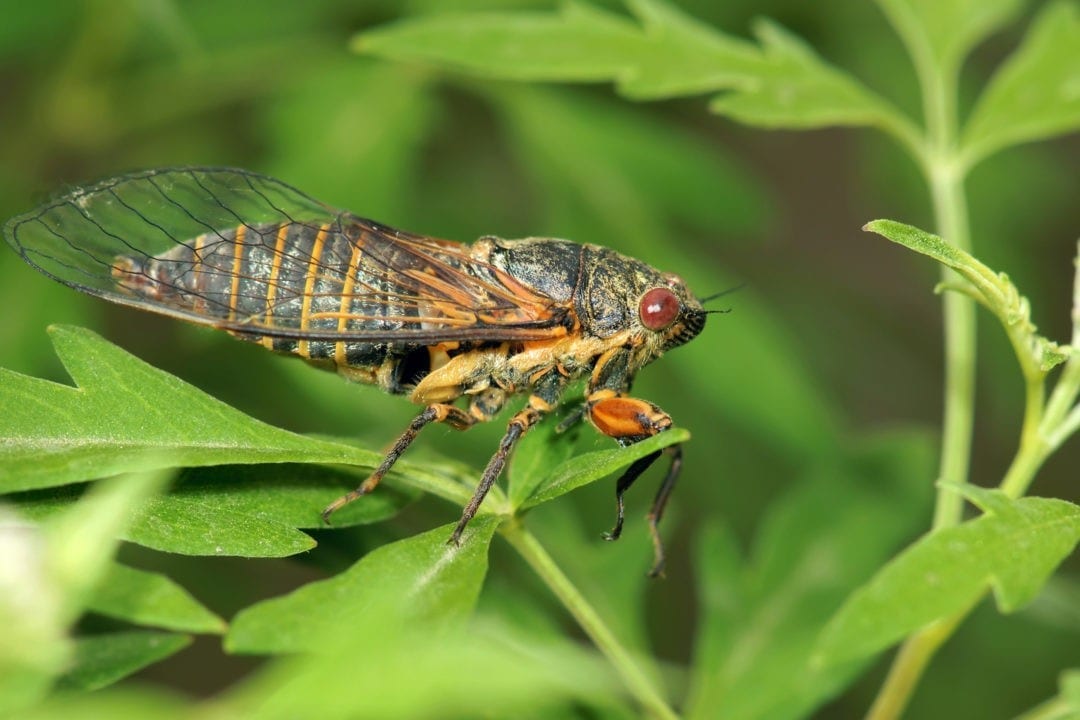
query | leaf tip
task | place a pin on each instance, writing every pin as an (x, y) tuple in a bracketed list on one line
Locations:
[(55, 330)]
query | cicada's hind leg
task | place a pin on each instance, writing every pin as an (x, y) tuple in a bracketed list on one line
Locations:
[(437, 412), (659, 503), (543, 400), (629, 420)]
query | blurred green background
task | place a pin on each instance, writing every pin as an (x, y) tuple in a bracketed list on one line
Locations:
[(834, 338)]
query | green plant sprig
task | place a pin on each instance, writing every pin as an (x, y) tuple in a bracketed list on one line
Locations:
[(1046, 425)]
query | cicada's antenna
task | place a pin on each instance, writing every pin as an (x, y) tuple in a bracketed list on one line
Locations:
[(720, 294)]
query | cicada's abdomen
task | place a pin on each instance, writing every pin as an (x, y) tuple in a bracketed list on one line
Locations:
[(299, 287)]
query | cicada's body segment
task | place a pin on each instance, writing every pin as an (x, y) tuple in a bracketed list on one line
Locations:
[(438, 319)]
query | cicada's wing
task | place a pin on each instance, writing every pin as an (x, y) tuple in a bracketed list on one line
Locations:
[(252, 255)]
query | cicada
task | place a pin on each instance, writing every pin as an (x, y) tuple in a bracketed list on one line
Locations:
[(439, 321)]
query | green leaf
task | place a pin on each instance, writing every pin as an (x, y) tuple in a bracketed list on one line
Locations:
[(374, 670), (824, 537), (577, 43), (666, 54), (291, 494), (187, 526), (680, 55), (111, 704), (942, 32), (101, 660), (793, 88), (589, 467), (1036, 93), (1037, 354), (673, 56), (421, 578), (1012, 548), (148, 598), (933, 246), (126, 415)]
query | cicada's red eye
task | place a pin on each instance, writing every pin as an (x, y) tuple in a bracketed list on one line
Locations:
[(659, 307)]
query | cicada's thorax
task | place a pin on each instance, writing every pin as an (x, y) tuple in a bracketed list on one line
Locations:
[(600, 285)]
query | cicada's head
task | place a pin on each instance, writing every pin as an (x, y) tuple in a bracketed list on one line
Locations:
[(654, 309), (670, 311)]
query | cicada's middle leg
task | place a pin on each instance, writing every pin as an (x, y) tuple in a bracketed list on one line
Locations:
[(543, 400), (453, 416)]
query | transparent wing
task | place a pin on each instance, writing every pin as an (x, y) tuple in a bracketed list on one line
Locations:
[(250, 254)]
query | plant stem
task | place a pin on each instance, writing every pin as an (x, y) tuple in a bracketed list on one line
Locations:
[(637, 682), (1062, 417), (908, 666), (959, 407), (945, 174), (1022, 470), (950, 208), (1033, 446)]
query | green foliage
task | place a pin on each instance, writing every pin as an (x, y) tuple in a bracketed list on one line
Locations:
[(780, 84), (1033, 95), (1013, 548), (823, 537), (1037, 354), (124, 415), (484, 668), (945, 32), (584, 469), (151, 599), (101, 660), (446, 118), (421, 580)]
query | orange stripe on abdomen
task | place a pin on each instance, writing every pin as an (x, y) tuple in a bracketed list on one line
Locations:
[(238, 259), (272, 283), (303, 347), (351, 271)]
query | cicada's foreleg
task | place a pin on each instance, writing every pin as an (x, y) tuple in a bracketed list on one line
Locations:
[(438, 412), (622, 485), (629, 420), (543, 400)]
